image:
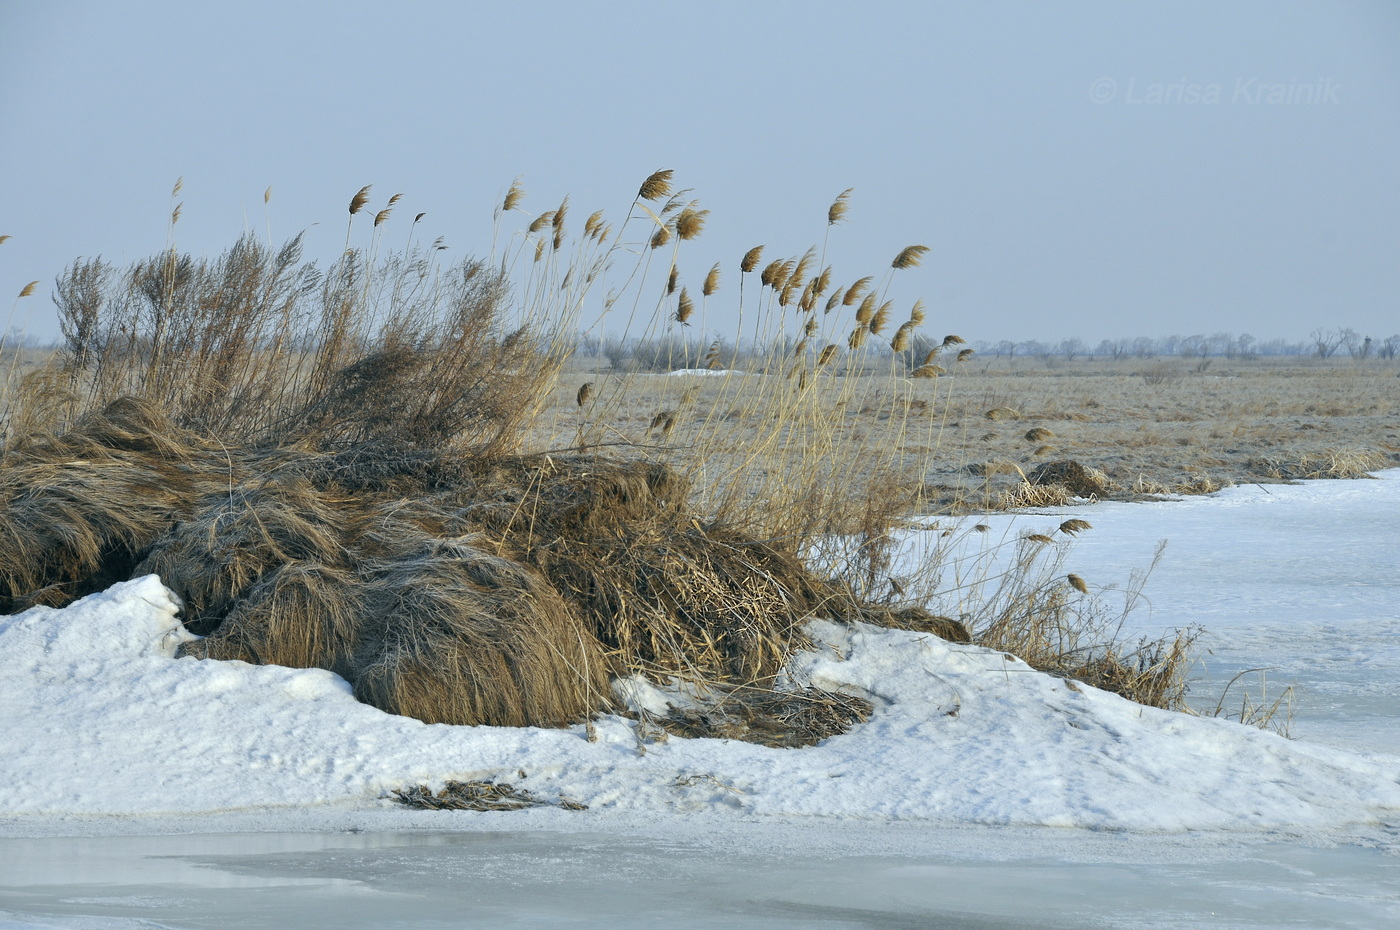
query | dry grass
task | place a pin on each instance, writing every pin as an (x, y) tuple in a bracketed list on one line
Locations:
[(396, 471), (1057, 623), (1329, 463)]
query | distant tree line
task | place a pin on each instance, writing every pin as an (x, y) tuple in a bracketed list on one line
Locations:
[(1321, 343)]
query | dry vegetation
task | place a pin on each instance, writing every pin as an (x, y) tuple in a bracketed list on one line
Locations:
[(401, 471), (1011, 434)]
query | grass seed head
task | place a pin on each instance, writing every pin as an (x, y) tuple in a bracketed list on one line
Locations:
[(690, 223), (1070, 527), (866, 310), (881, 318), (656, 186), (837, 211), (513, 196), (855, 290), (909, 256), (357, 203), (711, 282), (750, 260)]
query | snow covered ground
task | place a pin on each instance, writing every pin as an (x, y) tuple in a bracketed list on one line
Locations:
[(980, 793)]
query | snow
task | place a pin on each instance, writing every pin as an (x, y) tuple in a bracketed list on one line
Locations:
[(139, 790), (102, 721)]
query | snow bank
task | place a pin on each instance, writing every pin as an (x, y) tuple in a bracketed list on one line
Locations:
[(100, 719)]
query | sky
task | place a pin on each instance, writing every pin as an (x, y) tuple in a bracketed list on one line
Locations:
[(1079, 170)]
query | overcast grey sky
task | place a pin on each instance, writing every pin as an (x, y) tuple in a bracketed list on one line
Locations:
[(1078, 170)]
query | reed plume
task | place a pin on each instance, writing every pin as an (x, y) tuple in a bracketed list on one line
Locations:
[(357, 203), (656, 186), (513, 196), (711, 281), (837, 212), (690, 222), (909, 256), (749, 262), (855, 290)]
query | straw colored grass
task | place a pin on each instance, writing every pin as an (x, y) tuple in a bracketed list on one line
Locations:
[(376, 468)]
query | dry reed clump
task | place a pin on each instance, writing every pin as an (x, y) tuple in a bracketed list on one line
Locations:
[(1333, 463), (455, 634), (377, 502), (1079, 480), (1026, 494), (665, 593), (66, 503), (503, 591)]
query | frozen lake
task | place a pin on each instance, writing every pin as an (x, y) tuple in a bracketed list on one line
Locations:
[(1303, 579), (755, 876)]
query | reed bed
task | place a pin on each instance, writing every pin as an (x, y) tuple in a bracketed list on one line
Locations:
[(360, 468)]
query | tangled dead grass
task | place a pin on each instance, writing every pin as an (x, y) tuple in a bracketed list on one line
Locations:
[(478, 796), (505, 591), (1333, 463)]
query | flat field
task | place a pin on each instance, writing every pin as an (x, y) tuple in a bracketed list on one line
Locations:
[(972, 436)]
